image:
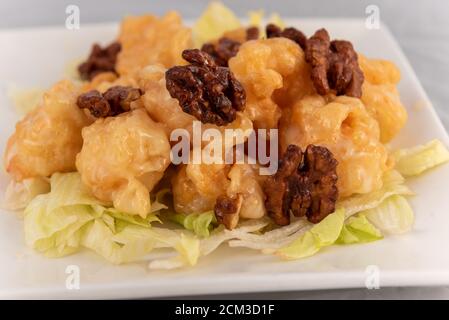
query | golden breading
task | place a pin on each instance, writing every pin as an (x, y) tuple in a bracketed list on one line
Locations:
[(344, 126), (274, 73), (381, 97), (245, 181), (123, 158), (148, 39), (49, 137), (197, 186)]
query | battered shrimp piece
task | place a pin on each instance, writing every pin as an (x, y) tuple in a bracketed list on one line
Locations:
[(123, 158), (49, 137), (148, 39), (344, 126), (197, 186), (381, 97), (244, 180), (273, 73)]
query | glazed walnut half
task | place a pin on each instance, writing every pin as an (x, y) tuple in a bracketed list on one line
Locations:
[(273, 31), (305, 185), (205, 90), (334, 65), (226, 48), (112, 102), (100, 60)]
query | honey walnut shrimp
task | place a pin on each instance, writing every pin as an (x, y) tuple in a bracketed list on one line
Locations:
[(123, 158), (343, 125), (381, 97), (48, 138), (273, 73), (148, 39)]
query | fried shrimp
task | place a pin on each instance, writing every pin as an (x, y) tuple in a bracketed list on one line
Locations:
[(49, 137), (381, 97), (123, 158), (148, 39), (343, 126), (273, 73), (196, 188)]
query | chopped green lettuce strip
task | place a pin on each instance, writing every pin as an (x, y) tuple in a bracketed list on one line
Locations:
[(321, 235), (358, 229), (393, 216), (416, 160), (68, 218), (200, 223)]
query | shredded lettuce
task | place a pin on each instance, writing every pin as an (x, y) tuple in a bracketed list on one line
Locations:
[(68, 218), (19, 194), (321, 235), (210, 244), (200, 223), (215, 20), (358, 229), (393, 216), (416, 160)]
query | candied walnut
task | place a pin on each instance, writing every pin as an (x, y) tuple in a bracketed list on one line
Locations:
[(305, 185), (114, 101), (226, 48), (334, 65), (273, 31), (221, 52), (210, 93), (227, 210), (252, 33), (100, 60)]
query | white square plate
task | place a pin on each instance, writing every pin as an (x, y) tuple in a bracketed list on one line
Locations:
[(36, 57)]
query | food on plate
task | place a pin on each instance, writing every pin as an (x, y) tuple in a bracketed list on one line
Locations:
[(48, 138), (122, 159), (181, 139)]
